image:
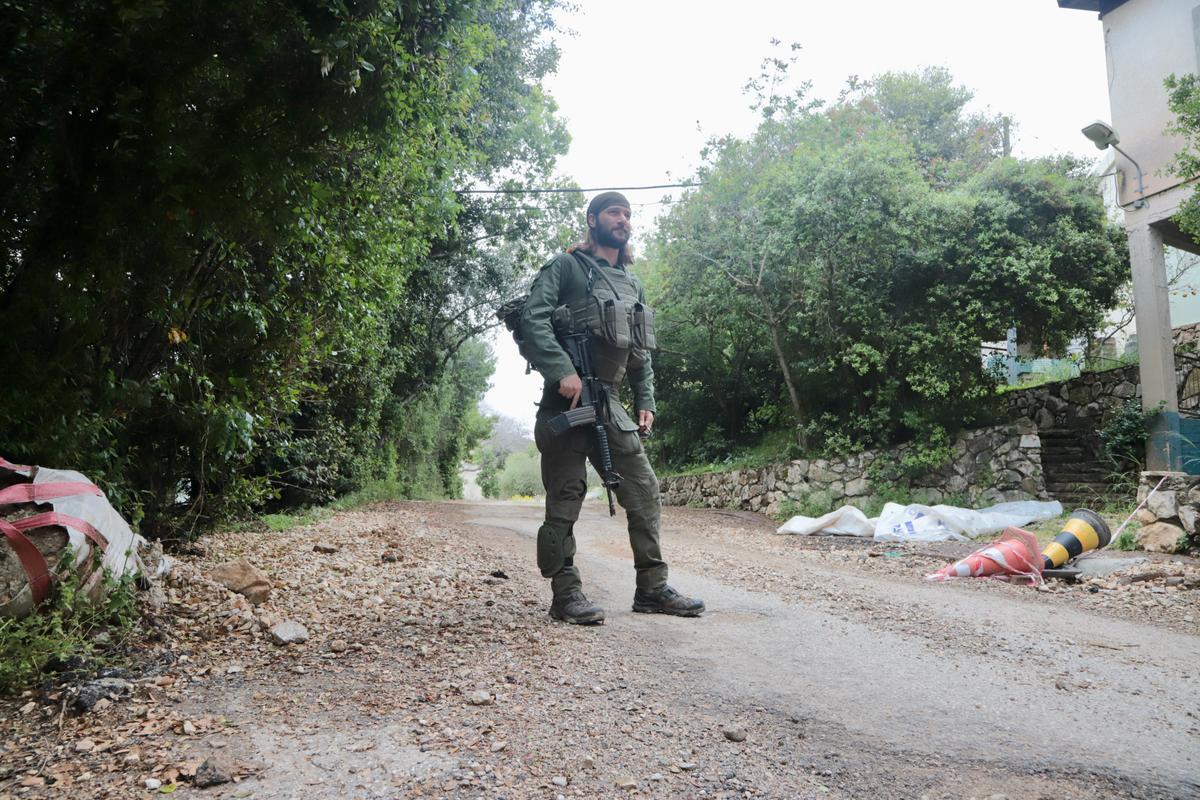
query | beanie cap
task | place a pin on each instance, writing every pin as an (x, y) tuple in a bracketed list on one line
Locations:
[(606, 200)]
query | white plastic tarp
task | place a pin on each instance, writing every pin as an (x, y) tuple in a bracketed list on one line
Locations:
[(921, 523)]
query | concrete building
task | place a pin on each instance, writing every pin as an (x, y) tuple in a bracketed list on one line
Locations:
[(1145, 41)]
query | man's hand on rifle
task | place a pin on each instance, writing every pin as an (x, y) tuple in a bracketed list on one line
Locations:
[(645, 421), (571, 387)]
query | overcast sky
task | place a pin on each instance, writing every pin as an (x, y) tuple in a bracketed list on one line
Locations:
[(643, 84)]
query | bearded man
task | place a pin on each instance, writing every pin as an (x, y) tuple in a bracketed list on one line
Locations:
[(592, 282)]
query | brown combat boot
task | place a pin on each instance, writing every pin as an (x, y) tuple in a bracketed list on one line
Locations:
[(576, 609), (666, 600)]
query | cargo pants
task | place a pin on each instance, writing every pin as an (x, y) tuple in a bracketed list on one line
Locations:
[(564, 476)]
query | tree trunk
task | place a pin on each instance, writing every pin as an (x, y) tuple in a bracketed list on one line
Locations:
[(777, 345)]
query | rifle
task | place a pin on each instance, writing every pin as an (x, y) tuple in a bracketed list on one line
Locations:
[(589, 411)]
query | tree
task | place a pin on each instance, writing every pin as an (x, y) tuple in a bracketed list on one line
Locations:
[(1184, 101), (234, 258), (929, 111), (490, 464), (521, 476), (863, 281), (507, 436)]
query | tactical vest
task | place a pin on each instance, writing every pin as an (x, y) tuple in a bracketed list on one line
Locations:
[(620, 329)]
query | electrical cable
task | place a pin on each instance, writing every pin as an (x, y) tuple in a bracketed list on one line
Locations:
[(567, 190)]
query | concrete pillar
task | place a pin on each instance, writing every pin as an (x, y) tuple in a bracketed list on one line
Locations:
[(1011, 356), (1156, 353)]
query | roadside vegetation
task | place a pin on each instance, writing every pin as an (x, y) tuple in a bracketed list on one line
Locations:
[(70, 632), (223, 295), (836, 273)]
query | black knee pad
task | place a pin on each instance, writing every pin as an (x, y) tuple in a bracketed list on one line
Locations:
[(555, 548)]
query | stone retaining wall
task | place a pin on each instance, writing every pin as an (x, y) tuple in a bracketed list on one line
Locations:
[(988, 465), (1171, 512), (1085, 401), (1080, 402)]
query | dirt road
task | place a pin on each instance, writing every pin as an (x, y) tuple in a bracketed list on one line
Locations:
[(432, 670)]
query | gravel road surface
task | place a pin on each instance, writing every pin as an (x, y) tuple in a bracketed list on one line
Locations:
[(822, 669)]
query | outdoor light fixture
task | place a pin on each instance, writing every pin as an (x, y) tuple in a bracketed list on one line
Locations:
[(1103, 136)]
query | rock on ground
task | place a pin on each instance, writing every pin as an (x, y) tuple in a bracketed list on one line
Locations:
[(244, 578), (1160, 537), (285, 633)]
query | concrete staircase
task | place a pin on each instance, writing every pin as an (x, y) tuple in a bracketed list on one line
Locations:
[(1074, 472)]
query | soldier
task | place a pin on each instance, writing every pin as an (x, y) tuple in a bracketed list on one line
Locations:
[(588, 278)]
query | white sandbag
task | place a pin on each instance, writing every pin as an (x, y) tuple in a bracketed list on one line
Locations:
[(122, 556)]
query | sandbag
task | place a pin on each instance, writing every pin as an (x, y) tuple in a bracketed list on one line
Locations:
[(47, 513)]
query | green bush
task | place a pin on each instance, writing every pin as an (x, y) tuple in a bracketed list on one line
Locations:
[(1128, 538), (67, 626), (835, 274), (1123, 435), (490, 465), (223, 292), (522, 474)]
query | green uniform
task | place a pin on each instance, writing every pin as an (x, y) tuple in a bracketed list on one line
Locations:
[(564, 280)]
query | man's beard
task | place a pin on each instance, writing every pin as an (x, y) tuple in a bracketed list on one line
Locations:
[(607, 238)]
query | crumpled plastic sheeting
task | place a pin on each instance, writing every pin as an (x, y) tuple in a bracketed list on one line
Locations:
[(921, 523)]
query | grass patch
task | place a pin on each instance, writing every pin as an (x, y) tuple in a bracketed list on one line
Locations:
[(1064, 372), (381, 491), (1127, 540), (307, 516), (377, 491), (789, 508), (67, 628)]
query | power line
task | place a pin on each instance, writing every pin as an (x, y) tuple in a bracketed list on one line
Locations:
[(567, 190)]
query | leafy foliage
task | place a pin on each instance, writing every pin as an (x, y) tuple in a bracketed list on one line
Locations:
[(1184, 101), (490, 464), (1124, 438), (521, 475), (68, 627), (235, 269), (839, 269), (507, 436), (1124, 433)]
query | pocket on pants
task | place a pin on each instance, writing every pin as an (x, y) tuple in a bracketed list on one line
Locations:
[(619, 417)]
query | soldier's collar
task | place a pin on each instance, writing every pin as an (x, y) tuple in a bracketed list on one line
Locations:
[(597, 260)]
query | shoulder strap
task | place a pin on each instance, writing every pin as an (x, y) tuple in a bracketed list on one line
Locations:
[(592, 272)]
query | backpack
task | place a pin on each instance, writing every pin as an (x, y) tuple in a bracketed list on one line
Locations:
[(510, 314)]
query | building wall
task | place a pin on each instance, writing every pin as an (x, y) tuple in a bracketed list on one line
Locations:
[(1144, 42)]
